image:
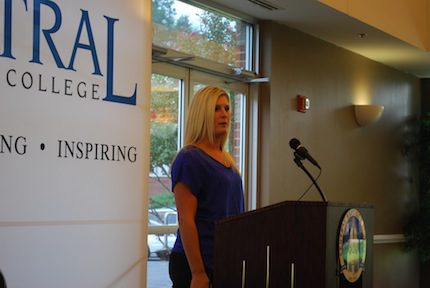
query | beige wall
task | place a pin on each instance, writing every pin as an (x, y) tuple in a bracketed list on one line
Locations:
[(360, 164), (407, 20)]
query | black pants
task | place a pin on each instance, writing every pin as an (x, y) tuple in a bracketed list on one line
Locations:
[(180, 272), (2, 281)]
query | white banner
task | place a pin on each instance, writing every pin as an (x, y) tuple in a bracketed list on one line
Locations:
[(74, 147)]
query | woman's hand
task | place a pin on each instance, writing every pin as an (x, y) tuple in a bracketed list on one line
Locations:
[(186, 203), (200, 280)]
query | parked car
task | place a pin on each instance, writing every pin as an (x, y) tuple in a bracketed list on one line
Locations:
[(160, 245), (171, 218)]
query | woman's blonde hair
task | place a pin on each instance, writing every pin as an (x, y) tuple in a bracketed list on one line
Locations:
[(200, 119)]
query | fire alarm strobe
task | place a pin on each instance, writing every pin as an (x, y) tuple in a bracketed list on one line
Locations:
[(303, 103)]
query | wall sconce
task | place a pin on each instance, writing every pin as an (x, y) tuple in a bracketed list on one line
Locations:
[(367, 114)]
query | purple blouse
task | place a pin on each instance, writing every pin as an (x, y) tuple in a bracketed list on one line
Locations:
[(218, 190)]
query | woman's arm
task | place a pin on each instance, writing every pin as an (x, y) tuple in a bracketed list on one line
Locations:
[(186, 203)]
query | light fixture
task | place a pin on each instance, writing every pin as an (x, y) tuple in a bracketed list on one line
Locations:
[(367, 114)]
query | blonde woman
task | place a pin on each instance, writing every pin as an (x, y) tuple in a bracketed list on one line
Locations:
[(206, 185)]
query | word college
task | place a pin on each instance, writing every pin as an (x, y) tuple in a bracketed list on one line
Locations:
[(67, 87)]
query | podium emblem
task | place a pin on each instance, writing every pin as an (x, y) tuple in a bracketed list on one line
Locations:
[(352, 245)]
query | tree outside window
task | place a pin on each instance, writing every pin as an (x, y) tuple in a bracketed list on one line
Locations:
[(200, 32)]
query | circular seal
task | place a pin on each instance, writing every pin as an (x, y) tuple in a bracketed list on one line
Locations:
[(352, 245)]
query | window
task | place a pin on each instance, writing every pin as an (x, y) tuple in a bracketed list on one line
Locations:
[(165, 131), (168, 95), (201, 47), (203, 32)]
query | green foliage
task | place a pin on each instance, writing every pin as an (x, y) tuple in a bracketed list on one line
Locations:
[(216, 38), (417, 234), (216, 28), (164, 127), (183, 24), (159, 80), (163, 12), (161, 200), (163, 147), (417, 230), (165, 104), (164, 135)]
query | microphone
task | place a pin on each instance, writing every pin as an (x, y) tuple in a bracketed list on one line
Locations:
[(302, 152)]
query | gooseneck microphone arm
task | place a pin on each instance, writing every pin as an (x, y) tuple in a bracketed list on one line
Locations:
[(299, 163), (300, 153)]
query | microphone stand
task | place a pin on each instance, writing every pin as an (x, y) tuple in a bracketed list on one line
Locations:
[(299, 163)]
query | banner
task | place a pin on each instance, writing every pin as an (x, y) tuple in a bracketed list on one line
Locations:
[(74, 142)]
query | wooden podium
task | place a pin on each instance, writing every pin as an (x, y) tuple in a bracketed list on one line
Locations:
[(289, 244)]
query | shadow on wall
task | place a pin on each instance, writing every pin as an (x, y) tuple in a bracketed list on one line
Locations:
[(346, 119), (2, 281)]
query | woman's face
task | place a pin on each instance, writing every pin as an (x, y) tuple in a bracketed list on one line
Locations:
[(222, 116)]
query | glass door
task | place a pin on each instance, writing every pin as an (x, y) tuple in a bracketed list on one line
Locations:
[(171, 89), (167, 98)]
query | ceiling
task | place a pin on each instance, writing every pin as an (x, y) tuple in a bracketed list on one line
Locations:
[(321, 21)]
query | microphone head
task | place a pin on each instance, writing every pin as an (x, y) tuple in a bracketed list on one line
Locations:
[(294, 143)]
